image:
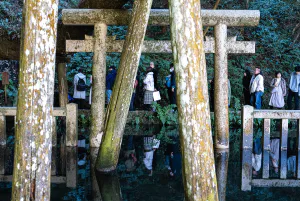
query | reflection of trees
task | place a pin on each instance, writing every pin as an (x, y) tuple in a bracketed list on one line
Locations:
[(222, 157), (109, 186)]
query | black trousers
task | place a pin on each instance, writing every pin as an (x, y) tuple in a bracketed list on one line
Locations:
[(79, 102), (293, 95)]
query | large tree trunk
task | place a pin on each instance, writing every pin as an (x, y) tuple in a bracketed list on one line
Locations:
[(119, 104), (33, 146), (192, 100)]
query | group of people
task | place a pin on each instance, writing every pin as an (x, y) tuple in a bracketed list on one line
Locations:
[(253, 89)]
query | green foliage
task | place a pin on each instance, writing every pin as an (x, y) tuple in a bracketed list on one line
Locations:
[(167, 114), (83, 122)]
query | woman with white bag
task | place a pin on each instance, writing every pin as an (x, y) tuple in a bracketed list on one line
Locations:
[(278, 85), (149, 89)]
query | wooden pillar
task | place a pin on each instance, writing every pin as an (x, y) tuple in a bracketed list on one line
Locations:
[(72, 125), (222, 157), (2, 130), (117, 110), (2, 160), (199, 176), (220, 88), (62, 84), (54, 133), (71, 168), (96, 195), (98, 89), (33, 139)]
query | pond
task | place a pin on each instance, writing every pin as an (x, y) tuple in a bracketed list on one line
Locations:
[(133, 181)]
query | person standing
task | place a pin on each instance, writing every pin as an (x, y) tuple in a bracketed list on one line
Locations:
[(131, 107), (155, 76), (149, 88), (246, 86), (278, 85), (79, 88), (294, 91), (110, 80), (173, 85), (256, 89)]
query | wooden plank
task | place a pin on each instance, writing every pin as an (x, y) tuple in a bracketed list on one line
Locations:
[(54, 179), (266, 149), (283, 148), (275, 183), (157, 17), (59, 112), (71, 169), (8, 111), (54, 161), (247, 118), (2, 130), (54, 132), (276, 114)]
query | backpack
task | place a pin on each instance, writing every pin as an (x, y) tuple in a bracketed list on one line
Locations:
[(81, 85), (168, 81)]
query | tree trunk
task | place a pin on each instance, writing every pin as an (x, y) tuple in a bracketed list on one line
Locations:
[(98, 89), (33, 141), (109, 187), (62, 84), (199, 175), (119, 104)]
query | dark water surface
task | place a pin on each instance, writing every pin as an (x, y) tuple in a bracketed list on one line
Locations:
[(132, 181)]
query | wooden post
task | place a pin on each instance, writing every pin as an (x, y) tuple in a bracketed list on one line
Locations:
[(95, 187), (54, 161), (222, 157), (33, 139), (2, 160), (109, 186), (71, 169), (62, 84), (2, 130), (199, 174), (72, 125), (283, 148), (266, 149), (54, 133), (247, 117), (117, 110), (98, 90)]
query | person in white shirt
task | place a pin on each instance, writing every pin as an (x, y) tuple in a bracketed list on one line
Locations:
[(79, 89), (256, 89)]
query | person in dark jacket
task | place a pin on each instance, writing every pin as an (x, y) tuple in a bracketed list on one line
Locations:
[(246, 86), (173, 85), (155, 75), (110, 80)]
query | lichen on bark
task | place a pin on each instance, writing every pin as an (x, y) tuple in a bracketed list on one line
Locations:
[(33, 141), (117, 111), (199, 175)]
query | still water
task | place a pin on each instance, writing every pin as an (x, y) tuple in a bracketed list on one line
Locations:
[(133, 181)]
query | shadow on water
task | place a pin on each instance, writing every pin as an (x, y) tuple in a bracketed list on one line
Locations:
[(140, 152)]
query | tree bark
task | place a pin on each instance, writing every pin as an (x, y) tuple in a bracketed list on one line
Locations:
[(33, 141), (98, 89), (119, 104), (62, 84), (199, 175)]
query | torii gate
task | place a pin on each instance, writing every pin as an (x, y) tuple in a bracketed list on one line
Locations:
[(221, 45)]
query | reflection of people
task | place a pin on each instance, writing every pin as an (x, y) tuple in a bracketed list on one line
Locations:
[(90, 97), (274, 153), (256, 156), (173, 157), (130, 155), (150, 145), (278, 85)]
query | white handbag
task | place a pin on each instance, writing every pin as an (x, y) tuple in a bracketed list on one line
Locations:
[(156, 96)]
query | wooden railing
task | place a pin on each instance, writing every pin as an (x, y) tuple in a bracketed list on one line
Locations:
[(248, 116), (68, 149)]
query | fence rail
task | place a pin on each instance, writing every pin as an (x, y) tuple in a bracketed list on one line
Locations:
[(248, 116)]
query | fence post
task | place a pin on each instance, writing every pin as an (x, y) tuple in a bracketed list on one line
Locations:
[(2, 130), (54, 133), (247, 117), (283, 148), (71, 169), (266, 149), (72, 125), (2, 160)]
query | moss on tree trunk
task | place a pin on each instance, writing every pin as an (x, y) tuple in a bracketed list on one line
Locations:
[(32, 160), (199, 175), (117, 111)]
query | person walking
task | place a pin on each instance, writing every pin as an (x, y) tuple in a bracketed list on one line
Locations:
[(110, 80), (131, 107), (278, 85), (149, 88), (256, 89), (294, 91), (173, 85), (79, 89), (246, 86), (155, 75)]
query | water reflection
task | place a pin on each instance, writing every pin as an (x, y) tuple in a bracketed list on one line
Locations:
[(109, 186), (221, 158)]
